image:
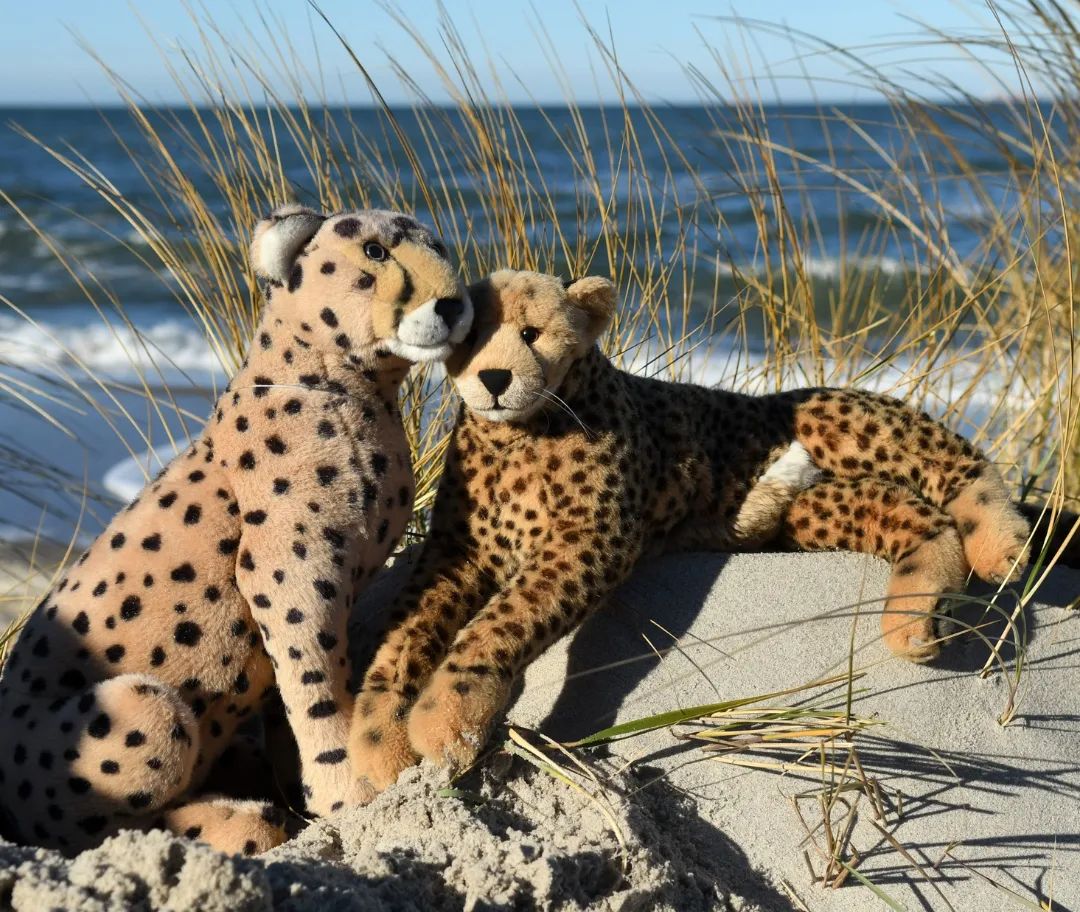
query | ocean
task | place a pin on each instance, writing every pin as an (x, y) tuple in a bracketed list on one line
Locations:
[(58, 342)]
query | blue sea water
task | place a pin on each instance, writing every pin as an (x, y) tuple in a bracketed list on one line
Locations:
[(59, 336)]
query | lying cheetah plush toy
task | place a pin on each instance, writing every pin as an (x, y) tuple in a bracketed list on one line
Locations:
[(231, 574), (563, 472)]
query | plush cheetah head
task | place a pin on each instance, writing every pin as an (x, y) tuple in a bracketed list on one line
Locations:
[(371, 281), (529, 329)]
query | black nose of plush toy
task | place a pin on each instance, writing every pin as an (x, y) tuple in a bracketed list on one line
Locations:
[(449, 309), (496, 380)]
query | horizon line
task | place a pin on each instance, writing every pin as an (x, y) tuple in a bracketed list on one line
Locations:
[(559, 103)]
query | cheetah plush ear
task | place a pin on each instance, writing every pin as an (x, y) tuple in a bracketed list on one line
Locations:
[(595, 297), (279, 238)]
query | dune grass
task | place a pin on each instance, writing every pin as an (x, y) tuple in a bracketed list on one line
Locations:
[(989, 332)]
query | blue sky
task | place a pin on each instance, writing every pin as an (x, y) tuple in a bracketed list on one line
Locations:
[(41, 62)]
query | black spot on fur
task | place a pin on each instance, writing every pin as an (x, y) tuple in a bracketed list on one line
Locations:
[(185, 573), (347, 227), (73, 678), (228, 545), (100, 727), (131, 608), (296, 276), (187, 633)]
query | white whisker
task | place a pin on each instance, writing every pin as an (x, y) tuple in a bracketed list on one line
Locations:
[(551, 397)]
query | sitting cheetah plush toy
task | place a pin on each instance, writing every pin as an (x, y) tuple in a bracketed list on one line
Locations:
[(563, 472), (231, 574)]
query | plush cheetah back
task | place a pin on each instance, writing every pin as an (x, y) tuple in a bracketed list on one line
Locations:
[(564, 471), (231, 573)]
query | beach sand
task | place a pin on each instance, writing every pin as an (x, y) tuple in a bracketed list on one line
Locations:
[(699, 833)]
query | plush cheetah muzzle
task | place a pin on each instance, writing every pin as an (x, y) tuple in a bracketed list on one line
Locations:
[(430, 332)]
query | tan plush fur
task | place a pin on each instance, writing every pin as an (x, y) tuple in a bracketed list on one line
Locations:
[(563, 471), (231, 573)]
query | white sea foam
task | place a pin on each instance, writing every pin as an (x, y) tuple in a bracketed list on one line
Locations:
[(169, 351), (831, 268), (128, 477)]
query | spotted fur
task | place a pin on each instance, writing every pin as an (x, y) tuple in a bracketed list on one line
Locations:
[(231, 573), (563, 472)]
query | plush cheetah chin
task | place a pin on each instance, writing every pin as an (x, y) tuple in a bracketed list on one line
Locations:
[(563, 471), (231, 574)]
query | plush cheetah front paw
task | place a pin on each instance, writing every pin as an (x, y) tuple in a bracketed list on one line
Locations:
[(379, 743), (911, 637), (993, 532), (453, 717), (997, 549), (330, 792), (795, 469), (230, 826)]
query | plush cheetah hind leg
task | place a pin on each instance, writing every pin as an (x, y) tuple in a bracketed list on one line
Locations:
[(108, 758), (228, 825), (890, 521), (854, 434)]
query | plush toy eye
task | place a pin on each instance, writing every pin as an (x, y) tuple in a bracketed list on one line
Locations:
[(375, 251), (530, 334)]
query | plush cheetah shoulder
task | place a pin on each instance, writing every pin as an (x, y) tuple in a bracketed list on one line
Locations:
[(231, 573), (564, 471)]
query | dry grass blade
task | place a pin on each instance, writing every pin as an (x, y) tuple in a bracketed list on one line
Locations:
[(569, 773), (1014, 898)]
